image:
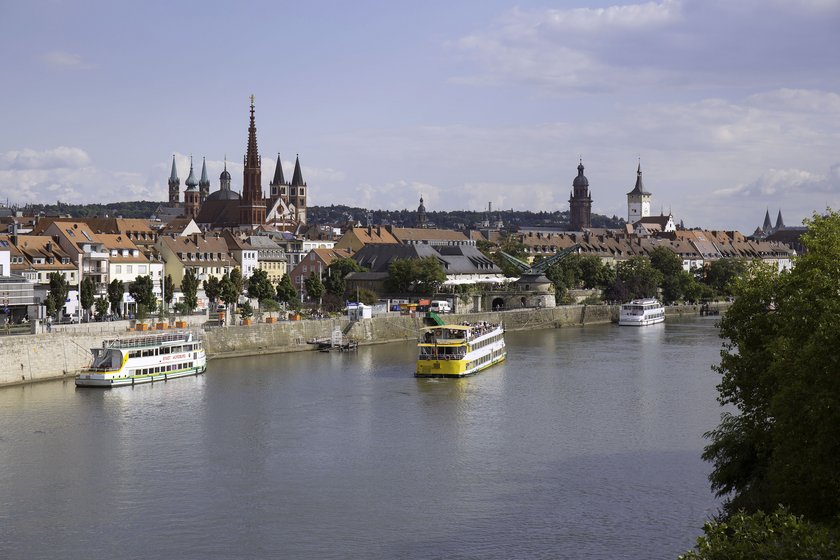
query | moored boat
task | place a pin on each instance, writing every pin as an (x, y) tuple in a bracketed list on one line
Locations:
[(459, 350), (641, 312), (144, 359)]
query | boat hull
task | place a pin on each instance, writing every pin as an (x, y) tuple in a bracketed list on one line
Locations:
[(452, 368), (103, 380), (642, 323)]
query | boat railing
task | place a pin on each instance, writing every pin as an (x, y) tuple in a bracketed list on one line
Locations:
[(148, 340)]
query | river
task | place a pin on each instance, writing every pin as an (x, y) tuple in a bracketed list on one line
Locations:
[(585, 444)]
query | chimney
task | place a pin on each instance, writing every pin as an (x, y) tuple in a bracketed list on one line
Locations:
[(379, 231), (49, 246)]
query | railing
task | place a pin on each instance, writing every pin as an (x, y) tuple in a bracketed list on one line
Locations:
[(149, 340)]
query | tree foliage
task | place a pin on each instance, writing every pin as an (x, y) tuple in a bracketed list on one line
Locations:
[(116, 290), (168, 290), (634, 278), (759, 536), (579, 271), (87, 293), (260, 287), (337, 271), (285, 290), (422, 276), (57, 295), (779, 370), (142, 292), (720, 274), (213, 288), (189, 287), (314, 287), (101, 307)]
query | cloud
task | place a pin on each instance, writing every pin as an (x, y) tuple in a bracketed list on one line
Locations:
[(62, 59), (670, 44), (56, 158)]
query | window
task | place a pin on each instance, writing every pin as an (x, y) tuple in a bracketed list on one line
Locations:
[(118, 269), (128, 268), (141, 269)]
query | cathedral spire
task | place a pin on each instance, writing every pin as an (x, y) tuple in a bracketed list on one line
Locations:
[(768, 225), (173, 176), (204, 180), (278, 173), (780, 223), (297, 177), (252, 209), (174, 184)]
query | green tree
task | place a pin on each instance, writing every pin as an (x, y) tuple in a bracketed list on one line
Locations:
[(674, 278), (142, 292), (759, 536), (168, 290), (189, 287), (720, 274), (634, 278), (246, 311), (368, 297), (229, 293), (57, 296), (213, 289), (116, 291), (237, 279), (260, 287), (401, 275), (314, 287), (285, 290), (87, 294), (337, 271), (779, 370), (101, 307), (430, 275)]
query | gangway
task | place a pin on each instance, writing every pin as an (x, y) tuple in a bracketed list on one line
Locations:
[(432, 319)]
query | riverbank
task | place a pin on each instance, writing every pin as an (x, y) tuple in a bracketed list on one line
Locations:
[(62, 353)]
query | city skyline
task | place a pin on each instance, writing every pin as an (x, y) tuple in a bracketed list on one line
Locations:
[(732, 108)]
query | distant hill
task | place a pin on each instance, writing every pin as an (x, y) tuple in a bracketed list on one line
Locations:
[(338, 214), (455, 219), (133, 209)]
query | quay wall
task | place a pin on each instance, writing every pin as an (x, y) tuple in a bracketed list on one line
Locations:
[(64, 351)]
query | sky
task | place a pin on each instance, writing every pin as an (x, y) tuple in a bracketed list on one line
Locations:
[(731, 107)]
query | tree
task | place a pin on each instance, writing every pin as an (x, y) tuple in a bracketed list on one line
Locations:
[(314, 287), (57, 295), (720, 273), (779, 370), (116, 291), (237, 279), (285, 290), (168, 290), (86, 294), (779, 535), (189, 287), (430, 275), (101, 306), (213, 289), (142, 292), (674, 278), (337, 271), (634, 278), (368, 297), (423, 276), (260, 287), (246, 311)]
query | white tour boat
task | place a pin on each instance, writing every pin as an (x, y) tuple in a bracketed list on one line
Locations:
[(641, 312), (144, 359), (459, 350)]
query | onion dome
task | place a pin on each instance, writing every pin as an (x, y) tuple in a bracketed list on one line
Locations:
[(191, 181), (580, 180)]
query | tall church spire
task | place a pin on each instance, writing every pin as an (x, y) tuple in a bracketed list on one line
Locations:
[(297, 176), (780, 223), (252, 208), (768, 225), (204, 182), (174, 184)]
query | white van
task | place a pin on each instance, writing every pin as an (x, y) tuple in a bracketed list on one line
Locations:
[(440, 306)]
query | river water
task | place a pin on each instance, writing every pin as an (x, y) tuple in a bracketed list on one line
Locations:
[(585, 444)]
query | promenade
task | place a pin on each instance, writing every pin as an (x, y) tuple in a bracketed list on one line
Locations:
[(64, 351)]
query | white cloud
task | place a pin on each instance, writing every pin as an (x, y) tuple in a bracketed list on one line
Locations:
[(64, 59), (56, 158), (670, 44)]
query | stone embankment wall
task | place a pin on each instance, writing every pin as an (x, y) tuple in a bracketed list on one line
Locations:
[(64, 351)]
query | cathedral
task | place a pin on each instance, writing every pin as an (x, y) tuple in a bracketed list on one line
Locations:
[(284, 208)]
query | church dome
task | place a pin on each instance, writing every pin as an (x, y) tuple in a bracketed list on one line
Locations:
[(580, 180), (225, 176), (224, 194)]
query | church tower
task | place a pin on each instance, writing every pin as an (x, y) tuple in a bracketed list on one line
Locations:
[(638, 200), (191, 195), (297, 193), (278, 186), (580, 202), (252, 207), (422, 219), (224, 178), (203, 183), (174, 185)]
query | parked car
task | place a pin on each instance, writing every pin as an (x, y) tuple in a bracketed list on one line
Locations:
[(440, 306)]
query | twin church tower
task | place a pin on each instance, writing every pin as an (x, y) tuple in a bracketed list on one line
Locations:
[(285, 205), (580, 201)]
